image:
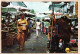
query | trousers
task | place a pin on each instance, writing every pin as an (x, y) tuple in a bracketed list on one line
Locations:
[(37, 32)]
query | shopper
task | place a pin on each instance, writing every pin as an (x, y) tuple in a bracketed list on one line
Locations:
[(22, 30), (29, 25), (47, 24), (37, 27), (43, 25)]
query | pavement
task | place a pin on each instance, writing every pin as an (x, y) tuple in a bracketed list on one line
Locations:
[(32, 45)]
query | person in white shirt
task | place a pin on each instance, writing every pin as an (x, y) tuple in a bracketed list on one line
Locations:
[(37, 27)]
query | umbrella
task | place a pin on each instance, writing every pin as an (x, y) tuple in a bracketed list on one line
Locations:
[(28, 14), (20, 8), (24, 9), (47, 18), (4, 4)]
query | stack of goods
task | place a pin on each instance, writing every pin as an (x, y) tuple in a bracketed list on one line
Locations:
[(9, 40), (3, 36)]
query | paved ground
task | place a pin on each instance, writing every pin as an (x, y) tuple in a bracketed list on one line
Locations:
[(32, 45)]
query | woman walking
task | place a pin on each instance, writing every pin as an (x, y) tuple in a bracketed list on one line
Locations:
[(37, 27), (22, 31)]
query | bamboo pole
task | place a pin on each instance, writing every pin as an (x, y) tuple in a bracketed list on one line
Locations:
[(52, 23)]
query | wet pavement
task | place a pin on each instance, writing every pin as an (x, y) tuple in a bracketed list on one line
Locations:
[(32, 45)]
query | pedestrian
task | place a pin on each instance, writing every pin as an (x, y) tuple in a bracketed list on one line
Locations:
[(37, 27), (44, 26), (29, 25), (32, 23), (47, 24), (21, 31), (41, 27)]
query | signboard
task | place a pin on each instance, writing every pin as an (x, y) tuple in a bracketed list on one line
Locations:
[(76, 9)]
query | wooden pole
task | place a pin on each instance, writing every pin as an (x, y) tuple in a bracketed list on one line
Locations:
[(52, 23)]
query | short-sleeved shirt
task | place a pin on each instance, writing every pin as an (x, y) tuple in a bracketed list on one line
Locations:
[(37, 25), (44, 24), (47, 24)]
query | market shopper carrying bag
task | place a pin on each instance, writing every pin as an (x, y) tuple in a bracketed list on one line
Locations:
[(22, 31)]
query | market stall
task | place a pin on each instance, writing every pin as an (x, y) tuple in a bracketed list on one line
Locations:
[(9, 21)]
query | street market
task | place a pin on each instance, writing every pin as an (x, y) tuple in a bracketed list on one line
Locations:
[(39, 27)]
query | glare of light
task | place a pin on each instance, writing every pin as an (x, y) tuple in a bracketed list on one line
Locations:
[(62, 3)]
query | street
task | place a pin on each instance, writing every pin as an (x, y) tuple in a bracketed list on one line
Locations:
[(57, 22), (32, 45)]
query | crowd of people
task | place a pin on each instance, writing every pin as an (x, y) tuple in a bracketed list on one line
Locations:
[(24, 27), (57, 31), (42, 26), (54, 29)]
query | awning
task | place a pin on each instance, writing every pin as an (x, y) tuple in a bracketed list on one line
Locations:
[(9, 8), (19, 4)]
